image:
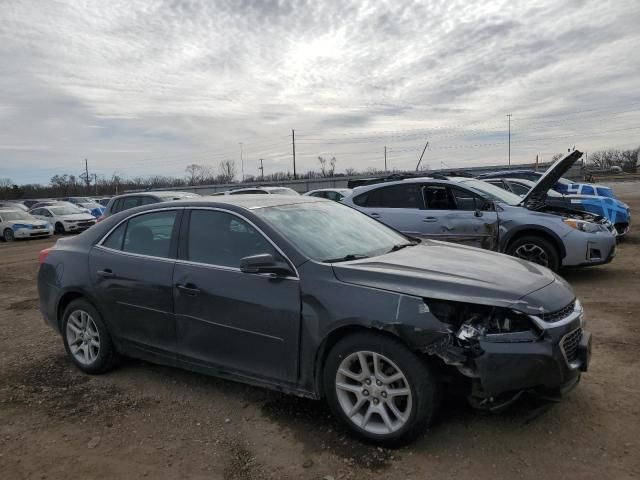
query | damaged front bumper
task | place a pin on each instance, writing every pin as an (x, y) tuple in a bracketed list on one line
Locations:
[(547, 360), (550, 366)]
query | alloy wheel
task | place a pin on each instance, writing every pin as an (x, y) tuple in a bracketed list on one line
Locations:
[(8, 235), (83, 337), (533, 253), (373, 392)]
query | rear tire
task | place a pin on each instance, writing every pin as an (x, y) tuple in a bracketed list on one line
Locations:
[(535, 249), (391, 400), (7, 235), (86, 338)]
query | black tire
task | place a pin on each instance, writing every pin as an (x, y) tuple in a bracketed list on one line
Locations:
[(7, 235), (420, 379), (535, 244), (107, 356), (59, 229)]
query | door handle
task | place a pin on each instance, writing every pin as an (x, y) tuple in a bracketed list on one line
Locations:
[(106, 273), (374, 215), (430, 219), (188, 289)]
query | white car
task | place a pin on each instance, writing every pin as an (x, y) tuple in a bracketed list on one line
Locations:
[(18, 224), (335, 194), (64, 218)]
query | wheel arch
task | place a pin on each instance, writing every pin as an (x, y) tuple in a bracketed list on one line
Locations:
[(69, 296), (333, 337), (534, 230)]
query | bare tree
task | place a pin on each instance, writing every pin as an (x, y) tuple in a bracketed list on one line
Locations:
[(227, 171), (6, 185)]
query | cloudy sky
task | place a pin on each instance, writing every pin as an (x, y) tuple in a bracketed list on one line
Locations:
[(147, 87)]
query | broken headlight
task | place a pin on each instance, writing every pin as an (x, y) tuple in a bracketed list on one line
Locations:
[(471, 322)]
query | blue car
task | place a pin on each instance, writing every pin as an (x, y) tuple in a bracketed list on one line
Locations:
[(562, 185), (92, 207), (612, 209)]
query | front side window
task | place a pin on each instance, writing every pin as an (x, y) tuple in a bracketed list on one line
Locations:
[(464, 200), (223, 239), (438, 197), (148, 234), (130, 202)]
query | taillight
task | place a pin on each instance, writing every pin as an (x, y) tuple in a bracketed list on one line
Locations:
[(42, 256)]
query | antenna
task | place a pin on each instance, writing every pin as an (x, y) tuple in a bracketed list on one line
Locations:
[(423, 150)]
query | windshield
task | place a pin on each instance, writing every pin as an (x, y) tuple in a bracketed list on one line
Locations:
[(64, 210), (605, 192), (329, 230), (283, 191), (16, 215), (80, 200), (496, 193)]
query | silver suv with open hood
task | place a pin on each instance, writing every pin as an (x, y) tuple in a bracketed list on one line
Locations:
[(474, 212)]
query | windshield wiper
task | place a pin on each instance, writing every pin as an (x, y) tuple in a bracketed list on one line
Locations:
[(400, 246), (346, 258)]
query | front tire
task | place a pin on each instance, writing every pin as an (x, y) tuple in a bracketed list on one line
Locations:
[(8, 235), (59, 229), (86, 338), (537, 250), (383, 392)]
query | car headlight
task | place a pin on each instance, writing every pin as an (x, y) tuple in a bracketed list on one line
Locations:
[(471, 322), (18, 226), (583, 226), (69, 221)]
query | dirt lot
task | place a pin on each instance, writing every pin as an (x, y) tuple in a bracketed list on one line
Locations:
[(142, 420)]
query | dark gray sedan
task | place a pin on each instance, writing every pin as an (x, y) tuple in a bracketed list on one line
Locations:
[(311, 297)]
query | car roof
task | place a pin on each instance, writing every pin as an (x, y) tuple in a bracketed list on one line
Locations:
[(155, 193), (5, 210), (248, 202)]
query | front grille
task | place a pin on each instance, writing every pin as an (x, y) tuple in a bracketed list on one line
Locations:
[(570, 344), (86, 224), (38, 227), (559, 314)]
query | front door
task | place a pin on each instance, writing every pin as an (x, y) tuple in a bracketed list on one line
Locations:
[(228, 319), (457, 215)]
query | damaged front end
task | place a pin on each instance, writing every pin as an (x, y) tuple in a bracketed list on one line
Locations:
[(505, 352)]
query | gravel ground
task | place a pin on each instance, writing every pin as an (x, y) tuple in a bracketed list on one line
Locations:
[(146, 421)]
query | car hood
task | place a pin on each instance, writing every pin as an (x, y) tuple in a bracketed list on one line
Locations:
[(77, 216), (26, 222), (538, 192), (448, 271)]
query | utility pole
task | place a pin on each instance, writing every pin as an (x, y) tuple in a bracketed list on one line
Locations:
[(509, 116), (385, 158), (241, 161), (293, 140), (422, 155), (95, 182), (261, 168), (86, 174)]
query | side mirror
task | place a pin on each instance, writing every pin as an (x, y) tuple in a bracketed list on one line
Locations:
[(264, 263)]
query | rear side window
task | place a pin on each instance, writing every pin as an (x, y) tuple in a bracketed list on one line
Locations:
[(396, 196), (147, 234), (219, 238), (115, 239), (147, 200), (588, 190)]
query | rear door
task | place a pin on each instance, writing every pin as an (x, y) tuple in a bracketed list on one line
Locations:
[(399, 206), (228, 319), (131, 272), (455, 214)]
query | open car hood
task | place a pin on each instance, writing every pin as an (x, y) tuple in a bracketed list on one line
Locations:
[(538, 192)]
